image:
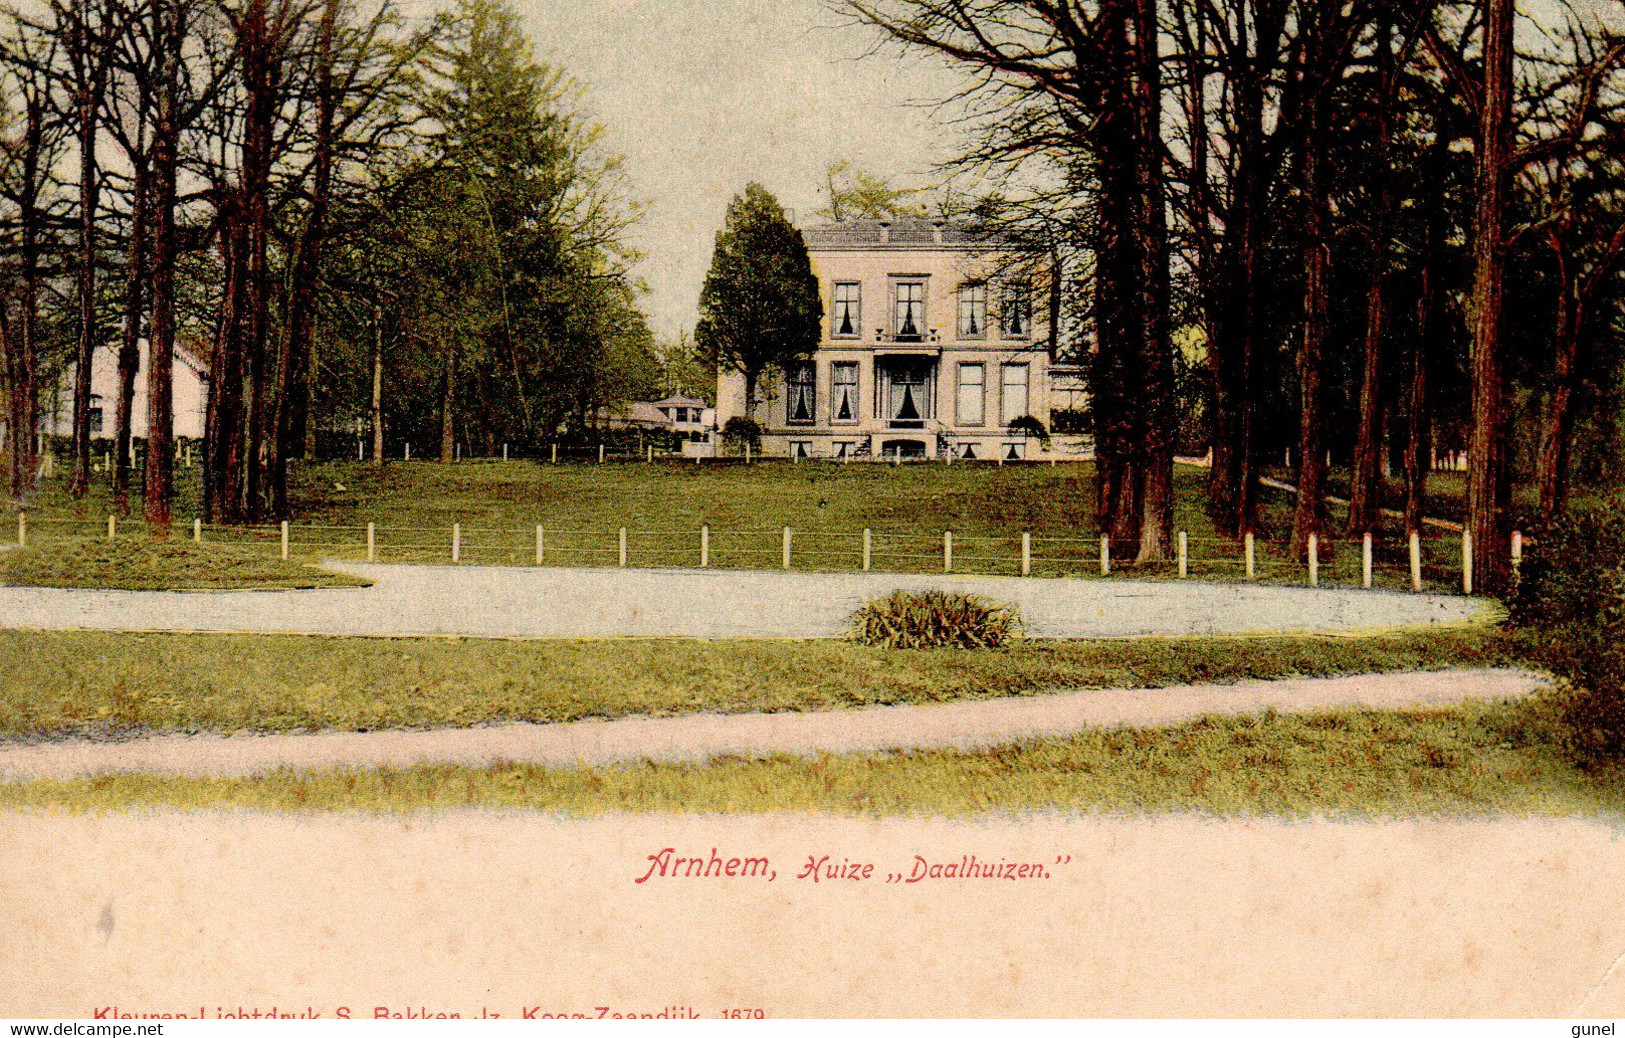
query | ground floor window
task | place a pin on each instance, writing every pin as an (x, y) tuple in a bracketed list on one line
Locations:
[(802, 403), (970, 407), (800, 449), (844, 405), (1015, 392)]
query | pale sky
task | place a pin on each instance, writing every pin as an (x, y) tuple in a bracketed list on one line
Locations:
[(704, 96)]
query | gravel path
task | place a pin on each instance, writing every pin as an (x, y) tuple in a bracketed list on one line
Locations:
[(546, 603), (702, 737)]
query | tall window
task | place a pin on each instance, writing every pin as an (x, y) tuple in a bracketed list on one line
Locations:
[(1015, 312), (971, 406), (1015, 392), (973, 312), (847, 318), (802, 403), (844, 406), (910, 316)]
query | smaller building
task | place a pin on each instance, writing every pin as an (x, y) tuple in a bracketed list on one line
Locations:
[(679, 414), (190, 395)]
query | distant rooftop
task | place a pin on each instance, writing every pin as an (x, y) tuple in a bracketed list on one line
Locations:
[(903, 234)]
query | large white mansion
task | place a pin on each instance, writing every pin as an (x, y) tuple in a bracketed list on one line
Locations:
[(934, 344)]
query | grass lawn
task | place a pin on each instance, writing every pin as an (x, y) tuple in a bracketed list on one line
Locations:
[(93, 684), (1474, 759), (663, 506), (141, 564)]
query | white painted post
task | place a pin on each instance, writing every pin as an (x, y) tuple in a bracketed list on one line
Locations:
[(651, 454), (747, 452), (456, 452), (1466, 562), (705, 547), (360, 451), (372, 542), (541, 544), (786, 547), (1184, 555), (284, 540), (408, 455), (457, 542), (112, 527), (947, 551), (623, 546), (22, 529), (504, 452), (868, 548), (1026, 554), (1105, 555), (555, 459), (1517, 552), (1252, 557), (1416, 560), (1365, 560), (197, 531), (600, 454), (1314, 560)]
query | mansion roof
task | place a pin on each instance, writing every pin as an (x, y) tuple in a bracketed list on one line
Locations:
[(900, 235)]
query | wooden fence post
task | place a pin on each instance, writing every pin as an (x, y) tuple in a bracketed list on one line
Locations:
[(1184, 555), (1105, 555), (705, 547), (555, 454), (408, 455), (947, 551), (1517, 553), (456, 542), (504, 452), (1026, 554), (197, 531), (1466, 562), (541, 544), (112, 527), (22, 529), (1314, 560), (786, 547), (1366, 561), (623, 541), (284, 540), (1252, 556), (372, 542), (600, 454), (868, 548), (1416, 560)]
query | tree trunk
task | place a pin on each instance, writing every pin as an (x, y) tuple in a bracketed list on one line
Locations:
[(1156, 357), (1554, 446), (1486, 475), (298, 339), (1310, 517), (89, 195), (129, 354), (1366, 489), (23, 387), (377, 386), (161, 347), (448, 405)]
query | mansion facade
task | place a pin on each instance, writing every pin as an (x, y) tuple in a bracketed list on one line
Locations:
[(935, 344)]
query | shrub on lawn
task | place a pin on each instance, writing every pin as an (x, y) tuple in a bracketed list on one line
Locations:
[(935, 620), (740, 431), (1031, 426), (1568, 613)]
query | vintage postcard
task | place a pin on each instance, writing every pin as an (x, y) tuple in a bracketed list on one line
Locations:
[(767, 509)]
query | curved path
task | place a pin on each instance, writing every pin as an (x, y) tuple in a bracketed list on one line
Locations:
[(493, 602), (702, 737)]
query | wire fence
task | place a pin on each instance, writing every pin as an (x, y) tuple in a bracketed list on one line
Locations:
[(1430, 562)]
